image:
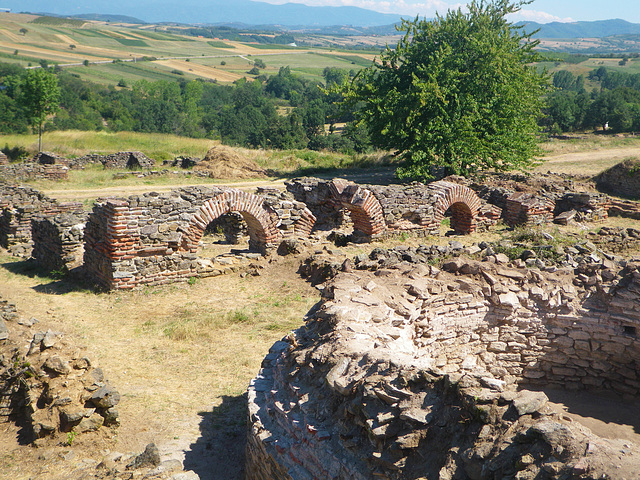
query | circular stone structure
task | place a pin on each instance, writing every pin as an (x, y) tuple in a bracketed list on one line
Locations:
[(414, 372)]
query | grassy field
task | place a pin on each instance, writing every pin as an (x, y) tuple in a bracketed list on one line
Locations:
[(72, 42)]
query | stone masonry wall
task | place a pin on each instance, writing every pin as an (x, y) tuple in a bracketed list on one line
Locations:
[(19, 205), (58, 241), (115, 160), (393, 208), (417, 372), (154, 239)]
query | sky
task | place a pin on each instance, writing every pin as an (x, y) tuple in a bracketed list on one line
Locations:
[(542, 11)]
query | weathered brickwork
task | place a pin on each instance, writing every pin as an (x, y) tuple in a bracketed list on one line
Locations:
[(19, 205), (416, 366), (154, 239), (364, 208), (374, 209)]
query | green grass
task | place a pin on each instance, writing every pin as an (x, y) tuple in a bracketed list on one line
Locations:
[(219, 44), (70, 22), (165, 37), (127, 42)]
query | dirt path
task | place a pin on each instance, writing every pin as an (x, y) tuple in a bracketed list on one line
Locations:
[(587, 163), (126, 190)]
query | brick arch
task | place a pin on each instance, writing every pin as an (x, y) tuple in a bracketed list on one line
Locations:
[(364, 208), (463, 202), (261, 220)]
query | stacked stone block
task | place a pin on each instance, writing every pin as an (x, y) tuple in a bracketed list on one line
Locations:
[(408, 207), (584, 207), (115, 160), (58, 241), (528, 209), (19, 205)]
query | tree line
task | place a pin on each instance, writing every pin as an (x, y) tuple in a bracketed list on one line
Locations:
[(614, 106), (281, 111)]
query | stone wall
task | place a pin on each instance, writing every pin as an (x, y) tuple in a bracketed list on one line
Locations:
[(19, 205), (154, 239), (115, 160), (375, 209), (58, 241), (528, 209), (417, 372), (622, 180), (21, 172)]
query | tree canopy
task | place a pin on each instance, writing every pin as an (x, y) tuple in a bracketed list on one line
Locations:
[(456, 92), (40, 97)]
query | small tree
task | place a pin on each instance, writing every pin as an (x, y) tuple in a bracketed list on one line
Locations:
[(72, 46), (457, 92), (40, 98), (24, 31)]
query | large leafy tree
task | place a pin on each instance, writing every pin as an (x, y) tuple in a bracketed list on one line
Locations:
[(457, 92), (40, 98)]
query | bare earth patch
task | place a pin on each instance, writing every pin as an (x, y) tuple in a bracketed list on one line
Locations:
[(204, 71)]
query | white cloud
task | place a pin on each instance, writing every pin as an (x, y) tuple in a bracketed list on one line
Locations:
[(426, 8), (537, 16)]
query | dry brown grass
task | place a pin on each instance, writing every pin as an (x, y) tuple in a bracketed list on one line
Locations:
[(171, 351)]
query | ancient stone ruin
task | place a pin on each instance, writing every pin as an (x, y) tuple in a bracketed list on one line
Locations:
[(155, 239), (134, 160), (19, 206), (410, 371)]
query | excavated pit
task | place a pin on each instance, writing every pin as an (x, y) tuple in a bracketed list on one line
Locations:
[(420, 373)]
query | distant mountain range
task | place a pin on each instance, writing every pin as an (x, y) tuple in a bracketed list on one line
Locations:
[(597, 29), (284, 17), (209, 11)]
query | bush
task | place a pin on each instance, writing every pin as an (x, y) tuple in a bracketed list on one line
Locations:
[(15, 154)]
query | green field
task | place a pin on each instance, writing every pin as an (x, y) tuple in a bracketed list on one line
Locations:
[(63, 41)]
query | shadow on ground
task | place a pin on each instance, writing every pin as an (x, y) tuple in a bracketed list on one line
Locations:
[(606, 408), (218, 454), (52, 283)]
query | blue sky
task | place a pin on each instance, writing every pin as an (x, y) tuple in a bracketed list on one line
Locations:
[(542, 11)]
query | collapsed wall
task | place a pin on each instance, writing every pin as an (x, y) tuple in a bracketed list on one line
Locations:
[(19, 206), (415, 372), (47, 385), (153, 239)]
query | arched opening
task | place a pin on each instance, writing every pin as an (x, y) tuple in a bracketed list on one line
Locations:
[(461, 219), (459, 203), (363, 208), (259, 219), (225, 237)]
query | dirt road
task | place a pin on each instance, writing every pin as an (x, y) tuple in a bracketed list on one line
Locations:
[(589, 163)]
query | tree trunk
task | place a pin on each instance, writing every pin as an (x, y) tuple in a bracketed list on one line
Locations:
[(39, 137)]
